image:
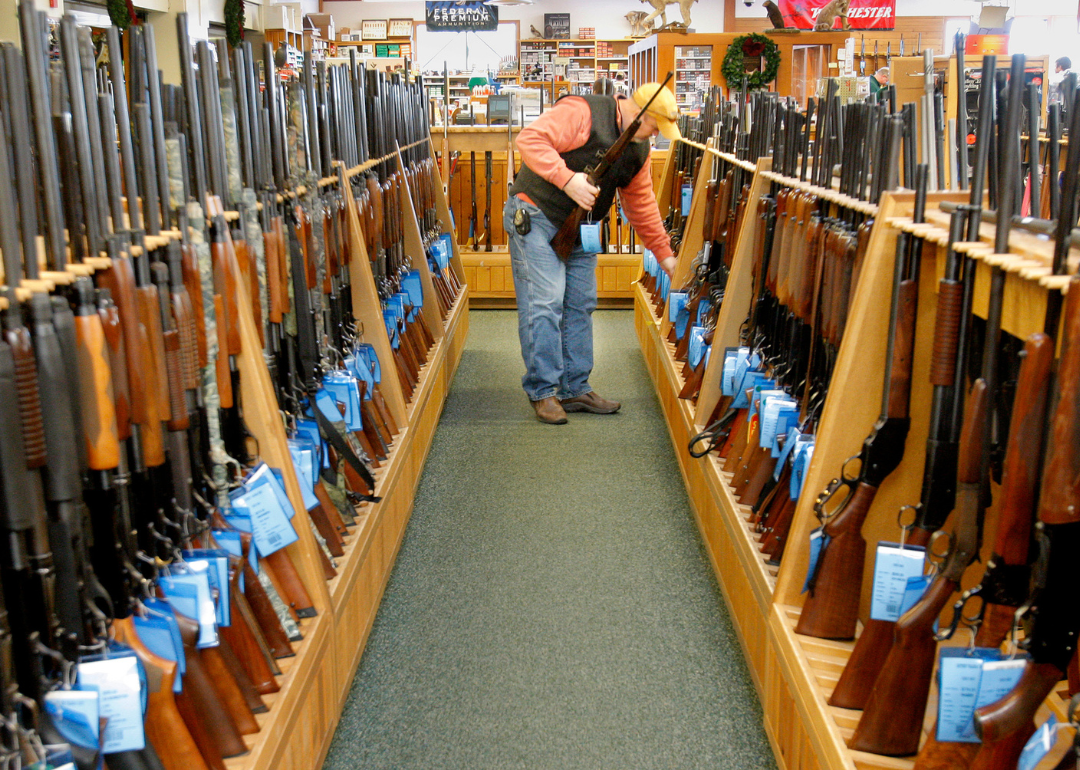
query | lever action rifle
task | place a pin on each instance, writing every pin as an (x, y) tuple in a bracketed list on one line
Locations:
[(564, 240)]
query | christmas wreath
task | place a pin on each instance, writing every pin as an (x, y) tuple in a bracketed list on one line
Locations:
[(234, 22), (750, 48)]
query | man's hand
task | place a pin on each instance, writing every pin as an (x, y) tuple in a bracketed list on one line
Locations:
[(667, 264), (581, 191)]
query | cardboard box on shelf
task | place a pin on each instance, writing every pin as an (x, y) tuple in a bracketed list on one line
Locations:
[(324, 22)]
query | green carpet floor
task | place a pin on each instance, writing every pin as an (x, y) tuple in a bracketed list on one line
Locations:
[(552, 605)]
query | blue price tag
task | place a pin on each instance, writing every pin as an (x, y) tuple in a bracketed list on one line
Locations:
[(367, 352), (913, 591), (789, 445), (76, 714), (118, 682), (968, 679), (414, 288), (241, 521), (155, 632), (1038, 745), (776, 413), (217, 563), (804, 451), (818, 541), (893, 567), (303, 461), (676, 304), (270, 523), (958, 687), (697, 346), (189, 591), (687, 199), (650, 263), (590, 238)]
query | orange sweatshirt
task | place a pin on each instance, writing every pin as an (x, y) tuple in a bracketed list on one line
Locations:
[(566, 126)]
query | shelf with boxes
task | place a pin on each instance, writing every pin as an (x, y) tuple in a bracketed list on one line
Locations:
[(574, 64)]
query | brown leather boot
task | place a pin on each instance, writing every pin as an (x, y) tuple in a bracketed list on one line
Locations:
[(591, 402), (549, 410)]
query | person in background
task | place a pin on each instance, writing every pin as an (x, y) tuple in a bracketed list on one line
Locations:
[(556, 299), (879, 80), (1062, 67)]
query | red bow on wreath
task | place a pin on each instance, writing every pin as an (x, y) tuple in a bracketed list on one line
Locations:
[(753, 47)]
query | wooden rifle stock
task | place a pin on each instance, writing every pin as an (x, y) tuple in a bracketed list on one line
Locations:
[(997, 622), (243, 636), (292, 587), (165, 728), (203, 701), (1005, 725), (239, 672), (263, 611), (225, 684)]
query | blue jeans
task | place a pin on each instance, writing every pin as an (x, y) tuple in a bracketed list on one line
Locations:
[(555, 301)]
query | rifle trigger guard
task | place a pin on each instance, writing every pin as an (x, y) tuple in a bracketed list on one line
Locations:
[(971, 622), (828, 494)]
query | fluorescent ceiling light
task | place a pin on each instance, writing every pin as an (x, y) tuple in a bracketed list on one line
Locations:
[(508, 2)]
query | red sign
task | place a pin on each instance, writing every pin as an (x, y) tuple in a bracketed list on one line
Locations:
[(981, 45), (861, 14)]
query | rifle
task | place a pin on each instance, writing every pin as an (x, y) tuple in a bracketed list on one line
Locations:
[(1005, 726), (895, 728), (474, 234), (487, 205), (1004, 583), (567, 235), (831, 608)]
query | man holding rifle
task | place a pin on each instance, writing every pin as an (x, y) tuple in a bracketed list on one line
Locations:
[(556, 292)]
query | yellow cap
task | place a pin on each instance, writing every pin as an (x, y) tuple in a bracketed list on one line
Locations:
[(663, 108)]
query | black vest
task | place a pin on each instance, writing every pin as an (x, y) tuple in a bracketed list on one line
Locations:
[(556, 204)]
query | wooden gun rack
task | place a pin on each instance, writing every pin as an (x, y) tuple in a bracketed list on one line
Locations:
[(795, 675), (296, 731)]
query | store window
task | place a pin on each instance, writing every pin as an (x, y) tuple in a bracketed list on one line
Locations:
[(466, 51)]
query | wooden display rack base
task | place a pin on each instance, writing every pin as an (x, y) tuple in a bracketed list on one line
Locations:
[(297, 730), (491, 279)]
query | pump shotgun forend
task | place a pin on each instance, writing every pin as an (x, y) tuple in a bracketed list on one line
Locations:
[(567, 237)]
